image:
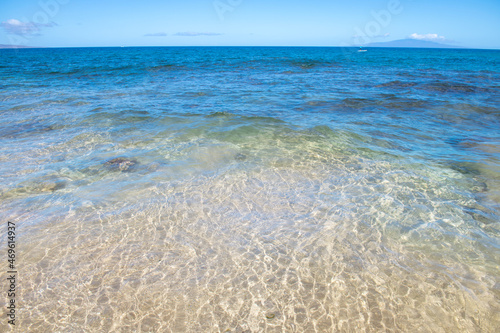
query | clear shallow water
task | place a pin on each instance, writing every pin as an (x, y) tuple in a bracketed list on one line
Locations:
[(253, 189)]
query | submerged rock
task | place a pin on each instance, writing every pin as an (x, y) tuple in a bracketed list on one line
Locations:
[(121, 163), (240, 157), (34, 187), (50, 186)]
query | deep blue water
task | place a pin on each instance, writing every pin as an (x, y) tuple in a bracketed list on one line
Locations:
[(373, 174)]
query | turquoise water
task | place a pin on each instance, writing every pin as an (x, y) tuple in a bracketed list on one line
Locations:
[(253, 189)]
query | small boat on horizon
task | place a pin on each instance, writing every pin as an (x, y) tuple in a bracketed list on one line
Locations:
[(361, 49)]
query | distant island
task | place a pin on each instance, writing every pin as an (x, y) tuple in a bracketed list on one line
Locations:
[(413, 43)]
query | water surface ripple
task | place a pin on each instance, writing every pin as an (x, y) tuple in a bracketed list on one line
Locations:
[(252, 189)]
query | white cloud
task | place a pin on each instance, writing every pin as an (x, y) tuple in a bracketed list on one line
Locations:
[(428, 37), (193, 34), (157, 34), (16, 27)]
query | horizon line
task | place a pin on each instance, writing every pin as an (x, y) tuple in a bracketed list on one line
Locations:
[(448, 47)]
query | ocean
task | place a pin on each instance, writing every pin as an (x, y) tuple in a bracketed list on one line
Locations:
[(250, 189)]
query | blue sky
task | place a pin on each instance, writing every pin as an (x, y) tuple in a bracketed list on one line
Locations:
[(68, 23)]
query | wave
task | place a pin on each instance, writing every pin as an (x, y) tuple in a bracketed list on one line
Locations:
[(378, 103), (163, 68), (451, 87), (396, 84)]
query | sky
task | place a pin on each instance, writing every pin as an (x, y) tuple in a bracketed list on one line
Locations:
[(83, 23)]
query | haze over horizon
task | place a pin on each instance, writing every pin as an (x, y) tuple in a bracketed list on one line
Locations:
[(73, 23)]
